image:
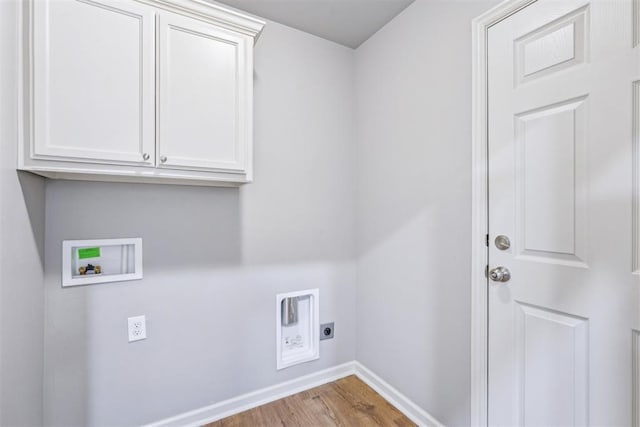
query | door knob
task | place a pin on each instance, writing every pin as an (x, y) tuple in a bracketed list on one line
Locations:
[(163, 159), (145, 156), (500, 274)]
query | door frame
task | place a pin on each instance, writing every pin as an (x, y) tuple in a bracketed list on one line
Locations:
[(480, 207)]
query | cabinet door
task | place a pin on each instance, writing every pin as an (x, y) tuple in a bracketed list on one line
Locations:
[(205, 96), (93, 81)]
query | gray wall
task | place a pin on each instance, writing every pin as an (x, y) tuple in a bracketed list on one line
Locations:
[(413, 106), (21, 254), (214, 258)]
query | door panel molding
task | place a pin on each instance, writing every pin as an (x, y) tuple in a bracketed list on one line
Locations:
[(636, 23), (555, 46), (554, 343), (636, 178), (635, 351), (562, 165), (479, 206)]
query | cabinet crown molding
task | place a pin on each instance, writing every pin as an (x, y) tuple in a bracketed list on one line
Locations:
[(219, 15)]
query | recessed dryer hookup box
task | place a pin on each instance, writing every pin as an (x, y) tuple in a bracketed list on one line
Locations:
[(297, 323), (86, 262)]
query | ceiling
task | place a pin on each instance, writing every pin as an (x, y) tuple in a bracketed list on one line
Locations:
[(347, 22)]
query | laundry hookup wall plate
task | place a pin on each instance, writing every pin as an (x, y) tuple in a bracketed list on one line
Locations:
[(87, 262)]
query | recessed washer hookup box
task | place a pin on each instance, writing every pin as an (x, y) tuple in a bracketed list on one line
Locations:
[(86, 262)]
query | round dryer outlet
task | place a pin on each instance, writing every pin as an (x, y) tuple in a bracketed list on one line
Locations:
[(326, 331)]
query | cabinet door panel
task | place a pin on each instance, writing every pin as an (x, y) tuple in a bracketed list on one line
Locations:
[(204, 96), (93, 81)]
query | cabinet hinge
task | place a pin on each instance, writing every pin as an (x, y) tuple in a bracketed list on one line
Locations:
[(487, 240)]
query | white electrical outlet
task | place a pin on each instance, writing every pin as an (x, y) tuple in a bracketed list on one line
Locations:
[(137, 328)]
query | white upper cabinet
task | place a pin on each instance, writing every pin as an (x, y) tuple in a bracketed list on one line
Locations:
[(138, 91), (205, 84), (93, 65)]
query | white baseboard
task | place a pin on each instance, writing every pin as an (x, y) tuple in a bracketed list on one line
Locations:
[(397, 399), (256, 398), (242, 403)]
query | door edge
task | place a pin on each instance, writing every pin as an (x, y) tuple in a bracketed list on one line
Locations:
[(479, 391)]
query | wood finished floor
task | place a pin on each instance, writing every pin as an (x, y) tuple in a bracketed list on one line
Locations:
[(346, 402)]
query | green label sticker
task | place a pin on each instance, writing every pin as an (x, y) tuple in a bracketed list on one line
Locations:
[(88, 253)]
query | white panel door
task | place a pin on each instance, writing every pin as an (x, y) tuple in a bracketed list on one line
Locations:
[(205, 104), (93, 71), (562, 340)]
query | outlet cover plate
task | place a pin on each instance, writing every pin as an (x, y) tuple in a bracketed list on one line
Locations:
[(137, 328), (326, 331)]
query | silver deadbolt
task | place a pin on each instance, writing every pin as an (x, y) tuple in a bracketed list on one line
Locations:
[(502, 242), (500, 274)]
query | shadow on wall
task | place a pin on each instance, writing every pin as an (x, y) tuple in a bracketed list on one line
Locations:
[(182, 227), (33, 191)]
